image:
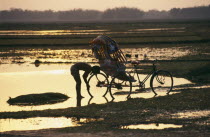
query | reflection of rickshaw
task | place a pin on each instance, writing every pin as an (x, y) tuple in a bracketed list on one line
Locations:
[(112, 63)]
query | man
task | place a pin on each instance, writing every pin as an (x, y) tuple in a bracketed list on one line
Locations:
[(111, 59), (75, 73)]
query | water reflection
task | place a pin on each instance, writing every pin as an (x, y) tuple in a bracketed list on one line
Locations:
[(157, 126), (121, 95), (157, 29), (42, 123), (35, 123), (192, 114), (26, 79), (86, 32), (91, 100), (49, 32), (79, 55), (156, 53)]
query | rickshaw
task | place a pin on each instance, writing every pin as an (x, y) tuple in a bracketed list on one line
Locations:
[(112, 76)]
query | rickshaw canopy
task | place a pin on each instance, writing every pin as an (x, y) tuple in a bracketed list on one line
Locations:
[(104, 48)]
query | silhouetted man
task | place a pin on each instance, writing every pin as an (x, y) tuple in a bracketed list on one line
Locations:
[(75, 73)]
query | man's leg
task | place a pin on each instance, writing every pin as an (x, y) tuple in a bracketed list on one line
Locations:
[(78, 83), (85, 75)]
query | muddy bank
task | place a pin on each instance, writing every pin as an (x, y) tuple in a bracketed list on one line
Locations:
[(37, 99), (54, 133), (135, 111)]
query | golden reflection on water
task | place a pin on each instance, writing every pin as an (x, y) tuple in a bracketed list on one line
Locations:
[(157, 29), (26, 79), (47, 55), (81, 55), (156, 126), (49, 32), (156, 53), (192, 114), (42, 123), (85, 32), (35, 123), (57, 71)]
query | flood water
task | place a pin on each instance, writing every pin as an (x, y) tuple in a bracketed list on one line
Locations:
[(42, 123), (72, 55), (156, 126), (19, 76), (84, 32), (26, 79), (49, 32)]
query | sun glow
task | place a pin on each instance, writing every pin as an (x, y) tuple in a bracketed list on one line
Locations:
[(36, 123), (99, 5), (57, 71)]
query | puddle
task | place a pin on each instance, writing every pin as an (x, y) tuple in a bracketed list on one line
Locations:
[(45, 56), (49, 32), (147, 93), (158, 29), (42, 123), (79, 55), (84, 32), (155, 53), (27, 79), (192, 114), (152, 126)]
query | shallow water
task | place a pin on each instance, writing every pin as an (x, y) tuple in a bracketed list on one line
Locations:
[(25, 79), (156, 126), (80, 55), (84, 32), (42, 123), (159, 29), (50, 32)]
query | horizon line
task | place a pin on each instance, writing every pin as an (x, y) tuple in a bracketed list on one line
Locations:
[(103, 10)]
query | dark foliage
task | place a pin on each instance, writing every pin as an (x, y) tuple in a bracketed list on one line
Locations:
[(193, 13), (122, 13)]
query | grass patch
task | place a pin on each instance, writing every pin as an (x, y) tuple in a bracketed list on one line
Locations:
[(200, 74)]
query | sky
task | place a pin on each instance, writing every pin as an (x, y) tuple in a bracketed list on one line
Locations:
[(60, 5)]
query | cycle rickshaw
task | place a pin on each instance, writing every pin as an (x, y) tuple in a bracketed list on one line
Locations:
[(113, 77)]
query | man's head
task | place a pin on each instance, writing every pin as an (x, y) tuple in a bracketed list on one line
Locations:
[(95, 69)]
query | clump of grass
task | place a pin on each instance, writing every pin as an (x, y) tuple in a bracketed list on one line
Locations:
[(200, 74), (37, 99), (195, 71)]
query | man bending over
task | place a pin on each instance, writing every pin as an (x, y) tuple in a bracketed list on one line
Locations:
[(75, 73)]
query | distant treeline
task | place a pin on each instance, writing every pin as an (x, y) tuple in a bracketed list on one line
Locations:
[(114, 14)]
